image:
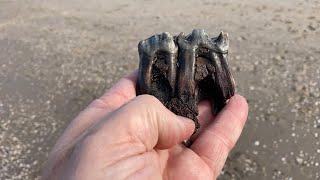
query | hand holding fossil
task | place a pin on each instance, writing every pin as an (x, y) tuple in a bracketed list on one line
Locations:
[(121, 136)]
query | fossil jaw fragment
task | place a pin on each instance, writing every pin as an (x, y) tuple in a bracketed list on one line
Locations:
[(185, 69)]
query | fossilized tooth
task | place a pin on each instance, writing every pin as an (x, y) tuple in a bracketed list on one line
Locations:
[(223, 77), (183, 70), (157, 53)]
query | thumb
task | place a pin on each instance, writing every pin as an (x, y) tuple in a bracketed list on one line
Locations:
[(147, 120)]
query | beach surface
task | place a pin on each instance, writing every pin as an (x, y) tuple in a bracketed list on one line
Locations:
[(57, 56)]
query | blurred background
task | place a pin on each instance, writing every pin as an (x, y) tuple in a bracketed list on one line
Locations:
[(56, 56)]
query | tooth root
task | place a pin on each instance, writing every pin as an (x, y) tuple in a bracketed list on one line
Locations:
[(149, 50), (172, 71), (224, 82), (186, 76), (186, 69), (144, 74), (229, 83)]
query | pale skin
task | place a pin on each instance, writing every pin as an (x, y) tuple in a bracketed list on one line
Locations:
[(124, 136)]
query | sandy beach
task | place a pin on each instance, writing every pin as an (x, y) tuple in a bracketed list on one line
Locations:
[(57, 56)]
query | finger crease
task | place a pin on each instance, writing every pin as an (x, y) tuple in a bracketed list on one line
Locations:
[(100, 104), (223, 138), (210, 162)]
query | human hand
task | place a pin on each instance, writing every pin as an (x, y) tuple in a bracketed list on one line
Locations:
[(121, 136)]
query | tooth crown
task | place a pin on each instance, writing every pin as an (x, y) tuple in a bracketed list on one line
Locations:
[(182, 70)]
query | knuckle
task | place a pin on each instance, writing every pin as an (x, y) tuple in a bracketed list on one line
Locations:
[(100, 104), (147, 99), (121, 95), (150, 107)]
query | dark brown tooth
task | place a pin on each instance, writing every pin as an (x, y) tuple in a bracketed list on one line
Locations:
[(183, 70), (161, 50)]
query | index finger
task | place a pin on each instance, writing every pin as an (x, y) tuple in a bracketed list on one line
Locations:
[(215, 142)]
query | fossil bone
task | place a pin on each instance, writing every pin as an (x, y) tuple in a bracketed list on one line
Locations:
[(183, 70)]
